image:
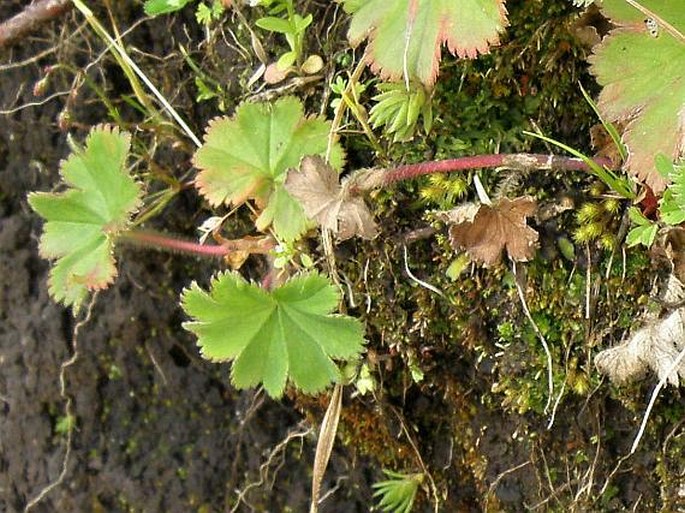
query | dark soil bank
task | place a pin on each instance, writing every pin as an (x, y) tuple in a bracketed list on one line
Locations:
[(158, 429)]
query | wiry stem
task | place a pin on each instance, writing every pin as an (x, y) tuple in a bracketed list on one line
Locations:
[(164, 242)]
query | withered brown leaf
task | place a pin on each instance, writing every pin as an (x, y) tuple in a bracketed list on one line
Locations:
[(654, 347), (330, 203), (485, 230)]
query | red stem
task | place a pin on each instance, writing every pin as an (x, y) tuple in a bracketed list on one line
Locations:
[(157, 241), (511, 161)]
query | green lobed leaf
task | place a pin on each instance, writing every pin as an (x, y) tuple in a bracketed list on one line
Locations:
[(645, 231), (412, 32), (272, 336), (83, 221), (672, 203), (640, 66), (246, 157)]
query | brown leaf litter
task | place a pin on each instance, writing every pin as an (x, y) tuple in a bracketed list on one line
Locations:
[(485, 231), (332, 204)]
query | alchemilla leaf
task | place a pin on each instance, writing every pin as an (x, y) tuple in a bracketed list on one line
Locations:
[(289, 332), (83, 221), (246, 157), (406, 36), (640, 65)]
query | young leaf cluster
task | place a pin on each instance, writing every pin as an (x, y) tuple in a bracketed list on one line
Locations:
[(397, 494), (292, 26), (398, 109)]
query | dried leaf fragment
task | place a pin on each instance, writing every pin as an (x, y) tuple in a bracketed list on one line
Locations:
[(484, 231), (653, 347), (330, 203)]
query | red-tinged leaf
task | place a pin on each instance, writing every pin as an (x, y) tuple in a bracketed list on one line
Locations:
[(640, 65), (485, 231), (406, 36), (246, 157), (83, 221)]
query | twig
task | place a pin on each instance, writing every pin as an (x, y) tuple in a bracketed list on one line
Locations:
[(588, 278), (7, 112), (611, 475), (495, 483), (424, 284), (33, 15), (156, 365), (67, 408), (672, 368), (557, 401), (424, 469), (526, 311), (589, 481)]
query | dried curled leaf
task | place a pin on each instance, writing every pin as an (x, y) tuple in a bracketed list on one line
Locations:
[(315, 185), (484, 230), (654, 347)]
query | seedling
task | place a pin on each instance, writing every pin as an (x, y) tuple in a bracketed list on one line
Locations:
[(397, 494), (205, 13), (292, 25)]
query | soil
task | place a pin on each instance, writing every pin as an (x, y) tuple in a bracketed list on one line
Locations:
[(158, 429)]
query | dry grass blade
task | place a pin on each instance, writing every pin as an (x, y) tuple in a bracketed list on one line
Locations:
[(329, 427)]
